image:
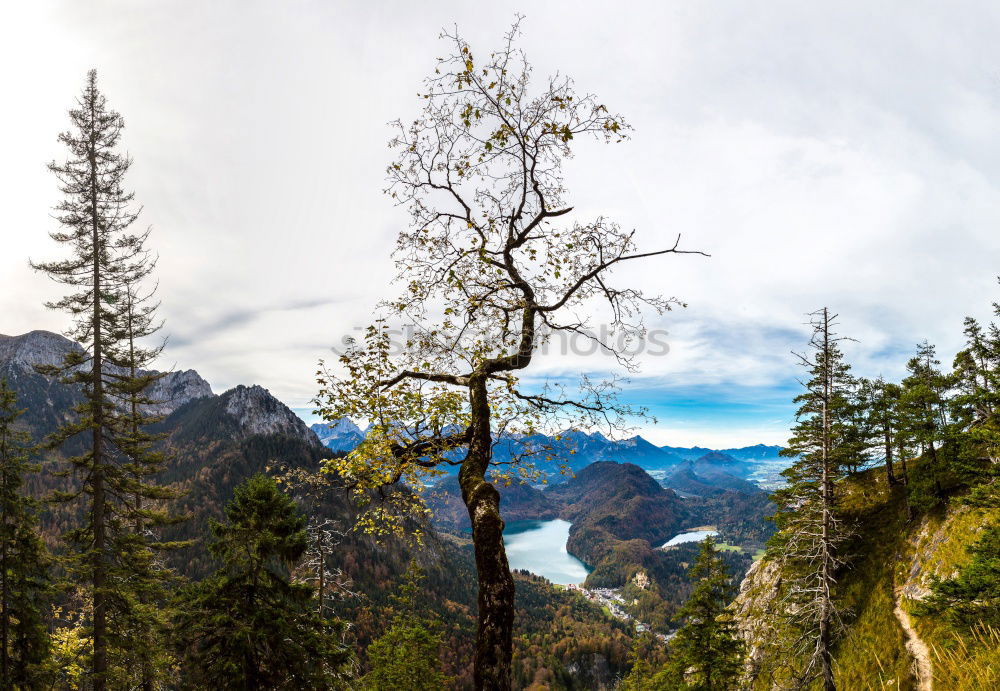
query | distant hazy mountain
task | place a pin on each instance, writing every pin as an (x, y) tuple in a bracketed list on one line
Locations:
[(716, 463), (687, 452), (708, 482), (757, 452), (572, 448), (578, 450)]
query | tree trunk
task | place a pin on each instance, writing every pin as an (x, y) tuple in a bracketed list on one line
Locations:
[(827, 660), (100, 665), (905, 482), (826, 545), (494, 639), (5, 614), (890, 475), (938, 492), (146, 673), (322, 570)]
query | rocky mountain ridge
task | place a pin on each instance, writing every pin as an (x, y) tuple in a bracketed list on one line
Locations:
[(34, 348)]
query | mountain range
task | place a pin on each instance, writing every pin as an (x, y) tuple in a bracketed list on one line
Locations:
[(575, 449)]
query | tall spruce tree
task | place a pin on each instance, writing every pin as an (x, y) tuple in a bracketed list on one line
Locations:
[(24, 578), (249, 625), (96, 215), (706, 654), (810, 532)]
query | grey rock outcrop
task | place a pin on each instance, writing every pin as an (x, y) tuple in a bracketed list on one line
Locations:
[(175, 389), (34, 348)]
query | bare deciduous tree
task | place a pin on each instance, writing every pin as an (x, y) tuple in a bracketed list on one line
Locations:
[(494, 263)]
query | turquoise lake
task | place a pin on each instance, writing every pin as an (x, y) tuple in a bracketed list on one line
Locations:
[(540, 547)]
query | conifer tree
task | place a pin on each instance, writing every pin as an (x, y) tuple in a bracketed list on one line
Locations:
[(107, 257), (972, 596), (924, 420), (646, 667), (879, 401), (810, 532), (905, 449), (975, 409), (331, 583), (141, 579), (249, 626), (24, 580), (861, 430), (407, 656), (312, 490), (706, 654)]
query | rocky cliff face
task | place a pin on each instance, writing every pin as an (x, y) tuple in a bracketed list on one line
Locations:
[(49, 402), (754, 612)]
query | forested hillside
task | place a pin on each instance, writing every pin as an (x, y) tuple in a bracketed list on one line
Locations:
[(214, 443)]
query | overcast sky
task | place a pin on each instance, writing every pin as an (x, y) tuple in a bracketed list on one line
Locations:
[(843, 154)]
